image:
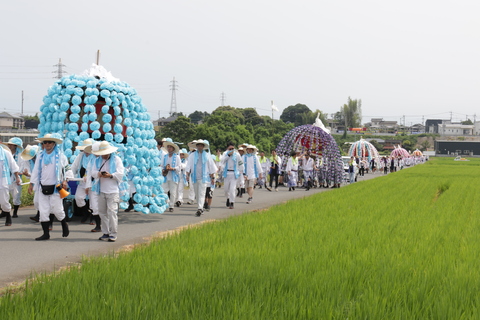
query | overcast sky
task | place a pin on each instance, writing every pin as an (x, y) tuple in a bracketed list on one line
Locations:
[(413, 58)]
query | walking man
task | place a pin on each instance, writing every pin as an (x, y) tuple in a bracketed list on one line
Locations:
[(200, 171), (170, 166), (252, 170), (16, 147), (231, 166), (50, 174), (275, 165)]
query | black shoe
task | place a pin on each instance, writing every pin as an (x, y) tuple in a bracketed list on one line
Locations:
[(207, 208), (15, 210), (8, 221), (65, 230), (293, 188), (290, 189), (231, 205), (228, 203), (46, 232), (178, 203), (269, 189), (198, 213)]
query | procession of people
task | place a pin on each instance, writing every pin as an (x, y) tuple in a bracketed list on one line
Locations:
[(99, 169)]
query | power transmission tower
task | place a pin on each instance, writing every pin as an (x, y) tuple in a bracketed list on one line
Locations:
[(173, 102), (59, 72), (222, 99)]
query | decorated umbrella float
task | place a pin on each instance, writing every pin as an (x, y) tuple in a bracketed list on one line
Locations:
[(417, 153), (97, 105), (316, 139), (363, 149), (398, 151)]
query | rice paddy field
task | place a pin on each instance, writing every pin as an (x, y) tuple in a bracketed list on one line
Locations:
[(402, 246)]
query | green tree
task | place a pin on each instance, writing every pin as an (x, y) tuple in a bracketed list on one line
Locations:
[(467, 122), (425, 145), (197, 116), (180, 130), (352, 113), (377, 145), (251, 116), (294, 114)]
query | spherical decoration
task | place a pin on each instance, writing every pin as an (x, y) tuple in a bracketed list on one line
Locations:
[(64, 106), (75, 109), (105, 109), (84, 127), (76, 100), (83, 135), (96, 134), (109, 137), (73, 126), (107, 118), (118, 138), (92, 116), (107, 127)]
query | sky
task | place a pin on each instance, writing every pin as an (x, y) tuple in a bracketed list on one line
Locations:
[(407, 61)]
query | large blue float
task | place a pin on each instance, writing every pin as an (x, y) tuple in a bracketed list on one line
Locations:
[(97, 105)]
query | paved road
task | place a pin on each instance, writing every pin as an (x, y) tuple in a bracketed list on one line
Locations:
[(21, 256)]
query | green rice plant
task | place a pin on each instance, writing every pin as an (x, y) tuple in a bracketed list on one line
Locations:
[(387, 248)]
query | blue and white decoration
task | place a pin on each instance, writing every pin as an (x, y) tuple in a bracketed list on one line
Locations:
[(97, 105)]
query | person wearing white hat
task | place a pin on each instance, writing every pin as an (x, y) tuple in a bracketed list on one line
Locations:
[(252, 170), (9, 169), (170, 166), (241, 179), (183, 177), (107, 171), (201, 171), (15, 145), (79, 169), (231, 168), (49, 174)]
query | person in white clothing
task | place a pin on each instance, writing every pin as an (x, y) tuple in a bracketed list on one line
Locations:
[(50, 175), (308, 170), (265, 162), (170, 166), (16, 147), (8, 169), (200, 171), (182, 182), (292, 171), (107, 171), (29, 155), (79, 170), (231, 168), (252, 170)]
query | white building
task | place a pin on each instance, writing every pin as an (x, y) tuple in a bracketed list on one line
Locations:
[(455, 129)]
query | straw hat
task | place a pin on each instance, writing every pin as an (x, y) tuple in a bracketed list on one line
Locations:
[(194, 143), (85, 143), (250, 146), (29, 152), (55, 137), (185, 152), (103, 148), (15, 141), (168, 143), (244, 146)]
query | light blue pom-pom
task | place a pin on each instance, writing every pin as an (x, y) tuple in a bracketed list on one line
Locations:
[(67, 143), (75, 109), (117, 111), (107, 118), (138, 207), (118, 119), (118, 128), (123, 205), (137, 197), (108, 137), (72, 135), (83, 136), (92, 99), (76, 100), (145, 210), (68, 153), (84, 126), (92, 116), (96, 134), (108, 101), (64, 106), (105, 109), (85, 118), (62, 116), (55, 117), (73, 126), (79, 92), (105, 93), (118, 138), (107, 127), (95, 125), (89, 108), (134, 170), (127, 122)]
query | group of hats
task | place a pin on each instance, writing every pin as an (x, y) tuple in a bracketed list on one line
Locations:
[(98, 148), (245, 146)]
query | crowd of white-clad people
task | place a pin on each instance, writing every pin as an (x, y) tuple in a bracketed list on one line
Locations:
[(195, 172)]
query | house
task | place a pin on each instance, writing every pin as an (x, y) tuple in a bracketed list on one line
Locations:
[(9, 121), (455, 129), (380, 125), (162, 122)]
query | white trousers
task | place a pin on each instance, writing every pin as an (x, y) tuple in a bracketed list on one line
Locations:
[(241, 181), (108, 210), (171, 186), (4, 200), (80, 195), (200, 189), (16, 192), (181, 187), (191, 193), (50, 204), (93, 202), (230, 186)]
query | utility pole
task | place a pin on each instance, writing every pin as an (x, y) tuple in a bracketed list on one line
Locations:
[(59, 70), (22, 103), (173, 102), (222, 99), (98, 57)]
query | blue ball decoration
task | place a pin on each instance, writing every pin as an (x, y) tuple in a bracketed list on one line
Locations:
[(107, 127), (95, 125), (118, 138), (96, 134), (108, 137)]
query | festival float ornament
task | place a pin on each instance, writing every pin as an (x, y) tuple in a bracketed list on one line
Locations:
[(363, 149), (319, 143), (399, 152), (99, 106), (417, 153)]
